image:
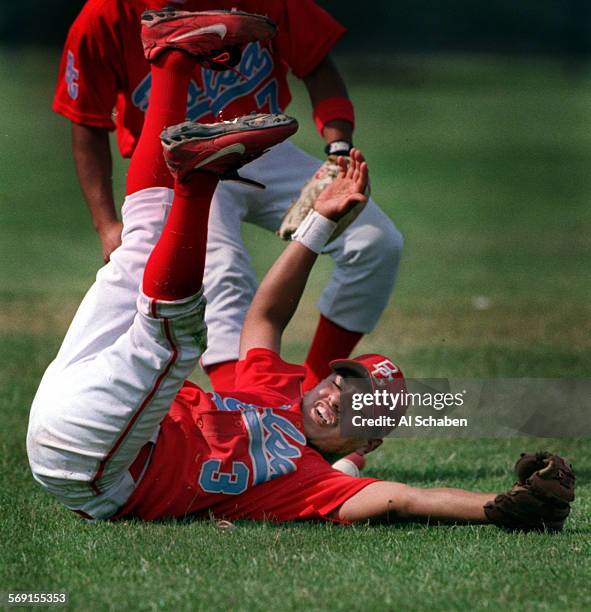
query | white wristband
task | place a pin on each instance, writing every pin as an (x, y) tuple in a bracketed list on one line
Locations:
[(314, 231)]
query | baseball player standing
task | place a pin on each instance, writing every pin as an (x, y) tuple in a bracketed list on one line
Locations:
[(103, 68), (116, 431)]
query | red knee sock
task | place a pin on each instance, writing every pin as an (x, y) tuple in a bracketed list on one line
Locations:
[(222, 374), (171, 74), (331, 341), (175, 267)]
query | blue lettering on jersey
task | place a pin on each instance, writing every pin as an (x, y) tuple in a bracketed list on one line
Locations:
[(271, 448), (141, 94), (229, 403), (269, 94), (256, 432), (213, 480), (71, 76), (220, 89)]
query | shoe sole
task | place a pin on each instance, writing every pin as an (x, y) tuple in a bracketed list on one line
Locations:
[(188, 131), (170, 15), (234, 29), (227, 145)]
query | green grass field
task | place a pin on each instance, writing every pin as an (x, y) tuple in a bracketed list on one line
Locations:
[(485, 166)]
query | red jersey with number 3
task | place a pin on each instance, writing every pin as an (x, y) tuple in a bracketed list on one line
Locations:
[(104, 79), (241, 454)]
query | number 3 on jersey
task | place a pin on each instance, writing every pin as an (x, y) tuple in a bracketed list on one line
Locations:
[(271, 448), (212, 480)]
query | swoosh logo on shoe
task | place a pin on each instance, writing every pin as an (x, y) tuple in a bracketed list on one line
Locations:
[(219, 28), (237, 147)]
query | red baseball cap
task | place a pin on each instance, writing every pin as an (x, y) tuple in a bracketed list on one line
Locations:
[(381, 376), (377, 369)]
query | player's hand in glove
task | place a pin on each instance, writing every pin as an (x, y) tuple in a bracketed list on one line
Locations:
[(540, 499), (346, 190), (308, 199)]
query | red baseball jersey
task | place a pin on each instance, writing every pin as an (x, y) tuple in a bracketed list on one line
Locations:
[(104, 79), (241, 454)]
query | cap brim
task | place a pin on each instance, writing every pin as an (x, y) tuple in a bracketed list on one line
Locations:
[(352, 369)]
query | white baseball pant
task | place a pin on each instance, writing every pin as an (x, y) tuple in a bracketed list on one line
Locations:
[(366, 255), (117, 372)]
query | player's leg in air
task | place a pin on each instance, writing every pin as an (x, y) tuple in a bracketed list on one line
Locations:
[(100, 402)]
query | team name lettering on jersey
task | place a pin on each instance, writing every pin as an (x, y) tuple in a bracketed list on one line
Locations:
[(220, 89), (270, 448), (71, 76), (274, 444)]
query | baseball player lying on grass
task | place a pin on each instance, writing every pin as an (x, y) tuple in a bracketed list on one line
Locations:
[(116, 430)]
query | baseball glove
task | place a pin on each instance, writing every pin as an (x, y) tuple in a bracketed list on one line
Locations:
[(528, 463), (299, 209), (540, 499)]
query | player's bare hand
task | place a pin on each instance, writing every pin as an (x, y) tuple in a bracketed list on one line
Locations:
[(347, 190), (110, 236)]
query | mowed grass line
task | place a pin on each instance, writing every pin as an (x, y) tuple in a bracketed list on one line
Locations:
[(484, 166)]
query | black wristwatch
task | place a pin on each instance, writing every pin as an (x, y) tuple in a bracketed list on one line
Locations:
[(338, 147)]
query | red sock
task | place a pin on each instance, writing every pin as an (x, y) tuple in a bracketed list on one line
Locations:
[(331, 341), (175, 267), (222, 374), (171, 74)]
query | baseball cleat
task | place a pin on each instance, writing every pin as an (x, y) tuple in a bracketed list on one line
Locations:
[(221, 148), (206, 35)]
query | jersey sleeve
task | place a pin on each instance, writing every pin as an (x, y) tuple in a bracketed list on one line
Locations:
[(322, 488), (306, 35), (264, 377), (88, 80)]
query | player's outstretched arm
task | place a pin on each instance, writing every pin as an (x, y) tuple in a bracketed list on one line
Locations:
[(394, 501), (278, 295), (539, 501)]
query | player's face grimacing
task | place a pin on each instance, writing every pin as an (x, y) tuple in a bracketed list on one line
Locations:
[(321, 409)]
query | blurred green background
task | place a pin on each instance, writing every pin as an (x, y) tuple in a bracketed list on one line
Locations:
[(517, 26)]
